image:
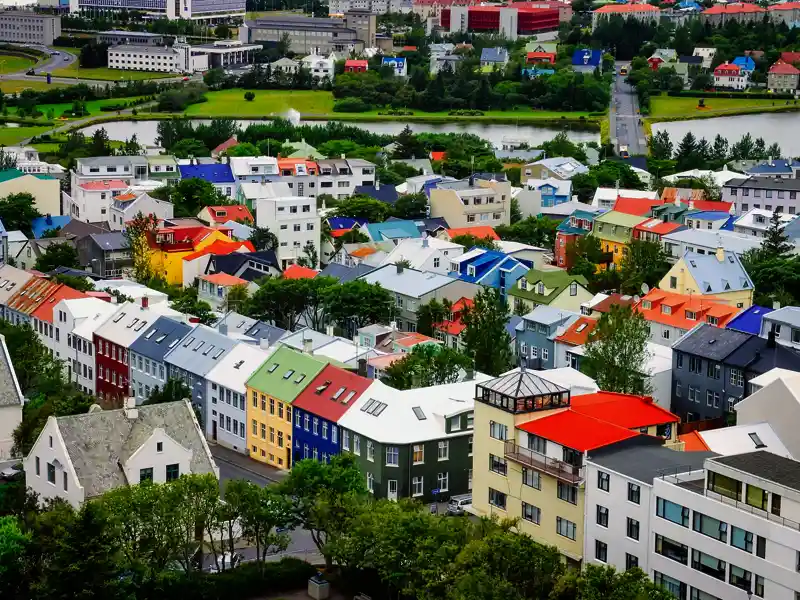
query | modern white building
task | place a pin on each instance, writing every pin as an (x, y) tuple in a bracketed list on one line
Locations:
[(706, 241), (294, 220), (320, 66), (425, 254), (255, 169), (340, 177), (756, 222), (28, 160), (91, 200), (124, 207), (195, 10), (28, 27)]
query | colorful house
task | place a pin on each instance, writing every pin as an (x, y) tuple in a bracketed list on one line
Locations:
[(488, 268), (218, 175), (537, 58), (550, 287), (271, 390), (578, 224), (169, 246), (721, 274), (398, 64), (356, 66), (614, 229), (449, 331), (218, 215)]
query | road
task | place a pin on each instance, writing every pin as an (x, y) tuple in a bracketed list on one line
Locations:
[(624, 118)]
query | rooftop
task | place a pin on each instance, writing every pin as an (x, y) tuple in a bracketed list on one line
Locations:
[(286, 374), (711, 342), (624, 410), (715, 276), (765, 465), (331, 393), (646, 462), (712, 239), (408, 282), (577, 431)]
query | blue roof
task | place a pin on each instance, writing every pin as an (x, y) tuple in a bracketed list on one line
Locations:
[(483, 263), (392, 230), (156, 341), (211, 173), (587, 58), (344, 274), (239, 230), (264, 331), (2, 227), (749, 320), (537, 72), (41, 224), (744, 62), (497, 55), (778, 166), (728, 225), (337, 223), (384, 193), (709, 215), (393, 60)]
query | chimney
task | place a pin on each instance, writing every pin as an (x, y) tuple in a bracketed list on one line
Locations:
[(377, 184), (425, 242), (307, 346), (771, 338), (691, 204), (399, 268), (194, 320), (776, 305), (145, 301), (362, 367), (131, 412), (677, 198), (263, 343), (329, 330), (720, 253), (223, 328)]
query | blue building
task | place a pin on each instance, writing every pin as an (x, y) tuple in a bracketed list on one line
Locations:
[(709, 219), (553, 191), (776, 167), (537, 332), (749, 320), (585, 60), (745, 63), (219, 175), (318, 408), (41, 224), (392, 230), (148, 369), (534, 72), (396, 63), (488, 267)]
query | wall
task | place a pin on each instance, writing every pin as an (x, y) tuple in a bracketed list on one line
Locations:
[(106, 387), (260, 446), (324, 441), (145, 375), (227, 406), (148, 456), (776, 405), (47, 454), (10, 418)]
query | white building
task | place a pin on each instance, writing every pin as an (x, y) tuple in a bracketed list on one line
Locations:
[(28, 27), (340, 177), (425, 254), (730, 77), (294, 220), (130, 169), (195, 10), (607, 197), (11, 401), (705, 241), (226, 388), (320, 66), (91, 200), (81, 457), (778, 404), (127, 205), (756, 222), (28, 161), (255, 169)]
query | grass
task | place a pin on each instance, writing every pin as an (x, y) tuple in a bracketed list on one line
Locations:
[(10, 136), (674, 107), (47, 147), (9, 86), (14, 64), (93, 106), (104, 74)]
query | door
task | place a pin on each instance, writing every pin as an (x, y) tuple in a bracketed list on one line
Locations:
[(214, 430), (392, 492)]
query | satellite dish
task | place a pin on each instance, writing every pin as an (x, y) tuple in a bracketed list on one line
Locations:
[(645, 289), (636, 299)]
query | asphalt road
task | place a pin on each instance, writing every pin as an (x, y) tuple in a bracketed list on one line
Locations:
[(625, 121)]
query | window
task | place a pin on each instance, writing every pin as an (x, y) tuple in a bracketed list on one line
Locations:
[(173, 472), (673, 282), (38, 466), (631, 561), (444, 450), (419, 454), (531, 478), (601, 551), (695, 364), (672, 549), (709, 565), (565, 528), (356, 445), (371, 483), (672, 512), (603, 480), (416, 486), (442, 480), (710, 526), (568, 493), (759, 588), (741, 539), (51, 473), (497, 499), (714, 370), (761, 547), (673, 586), (537, 444), (602, 516), (531, 513), (498, 465), (634, 493), (737, 378), (345, 439), (146, 474), (392, 456), (740, 578), (632, 529)]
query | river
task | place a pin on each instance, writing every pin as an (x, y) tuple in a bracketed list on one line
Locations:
[(776, 127), (146, 131)]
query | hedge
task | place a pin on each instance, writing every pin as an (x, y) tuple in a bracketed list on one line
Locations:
[(740, 95)]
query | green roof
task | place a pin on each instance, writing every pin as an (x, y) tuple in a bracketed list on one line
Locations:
[(619, 219), (271, 378), (162, 159), (42, 176), (556, 279), (9, 174)]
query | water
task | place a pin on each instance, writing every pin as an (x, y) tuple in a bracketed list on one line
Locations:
[(146, 131), (776, 127)]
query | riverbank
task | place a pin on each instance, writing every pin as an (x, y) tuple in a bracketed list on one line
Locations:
[(678, 108)]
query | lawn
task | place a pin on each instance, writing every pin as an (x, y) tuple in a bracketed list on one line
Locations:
[(75, 71), (14, 64), (671, 107), (93, 106), (11, 136), (9, 86)]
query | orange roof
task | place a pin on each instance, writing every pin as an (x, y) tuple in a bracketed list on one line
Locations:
[(693, 442), (537, 55), (479, 231), (221, 247), (230, 212), (626, 8), (28, 298), (784, 6), (126, 197), (106, 184), (658, 226), (45, 310), (438, 155), (298, 272), (339, 232), (291, 163), (724, 67), (223, 279), (355, 63), (623, 410), (385, 360), (635, 206), (733, 9), (412, 339), (226, 145), (783, 68), (363, 252), (409, 49), (454, 326), (680, 304), (577, 431), (577, 334)]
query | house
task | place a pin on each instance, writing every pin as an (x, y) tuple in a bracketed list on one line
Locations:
[(125, 206), (537, 58), (218, 175), (444, 61), (319, 408), (532, 256), (575, 334), (551, 191), (49, 325), (707, 54), (275, 385), (425, 254), (652, 230), (450, 329), (285, 65), (253, 169), (784, 324), (680, 241), (412, 289), (205, 261), (721, 274), (728, 76), (756, 222), (600, 304), (200, 350), (720, 14), (40, 225), (494, 57), (28, 295), (661, 56), (214, 289), (11, 401), (745, 63), (219, 215), (537, 333), (163, 168), (107, 254), (472, 201), (299, 174), (170, 245), (320, 67), (776, 405), (43, 187), (585, 60), (367, 253), (562, 168), (749, 320), (770, 193), (708, 219), (550, 287), (148, 371), (356, 66), (224, 147), (615, 231), (607, 197), (488, 268), (398, 64), (226, 389), (640, 207), (735, 439), (81, 457), (91, 200), (671, 315), (783, 78), (774, 167)]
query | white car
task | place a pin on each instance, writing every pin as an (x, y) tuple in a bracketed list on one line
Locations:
[(226, 561), (11, 472)]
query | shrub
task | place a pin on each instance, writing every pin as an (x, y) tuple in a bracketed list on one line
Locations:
[(249, 96), (351, 105)]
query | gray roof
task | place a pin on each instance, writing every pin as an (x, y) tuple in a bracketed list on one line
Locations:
[(318, 339), (711, 342), (200, 350), (344, 273), (236, 323), (522, 384), (265, 331), (769, 466), (788, 314), (716, 276), (143, 49), (113, 160), (10, 394), (100, 441), (408, 282), (770, 183), (646, 462), (131, 33), (547, 315), (110, 241), (161, 336)]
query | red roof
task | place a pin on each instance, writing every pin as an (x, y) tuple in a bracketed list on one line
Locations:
[(699, 306), (226, 145), (785, 6), (222, 247), (106, 184), (635, 206), (291, 163), (183, 237), (693, 442), (658, 226), (614, 299), (28, 298), (339, 232), (230, 212), (438, 155), (790, 57), (551, 56), (223, 279), (626, 8), (409, 49), (733, 9), (45, 310), (577, 431), (783, 68), (332, 392), (454, 326), (726, 67), (577, 334), (479, 231), (411, 339), (623, 410), (299, 272), (356, 63)]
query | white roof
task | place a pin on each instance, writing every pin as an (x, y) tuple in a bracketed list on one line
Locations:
[(82, 308), (572, 379), (89, 325), (237, 366), (128, 322), (610, 194), (748, 219), (468, 255), (765, 379), (560, 185), (398, 423), (132, 289), (16, 236), (417, 251), (265, 190), (509, 247), (738, 440), (712, 238), (240, 165), (594, 300), (659, 358), (720, 177), (345, 351)]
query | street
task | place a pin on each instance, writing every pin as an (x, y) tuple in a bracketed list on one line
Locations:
[(624, 118)]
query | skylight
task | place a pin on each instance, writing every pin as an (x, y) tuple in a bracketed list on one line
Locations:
[(173, 343), (140, 326), (757, 440), (348, 397), (238, 364), (149, 334), (218, 353), (161, 338), (288, 374), (207, 350), (132, 323), (418, 413), (338, 393), (581, 327), (369, 405), (119, 317), (188, 342), (300, 378), (322, 388), (273, 367), (198, 346)]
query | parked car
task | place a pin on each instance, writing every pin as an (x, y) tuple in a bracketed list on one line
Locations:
[(226, 561), (11, 473), (458, 503)]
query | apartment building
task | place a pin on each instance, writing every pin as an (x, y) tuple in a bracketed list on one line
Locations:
[(784, 324), (756, 222), (705, 241), (341, 177), (254, 169), (614, 229), (91, 201), (82, 340), (770, 193), (470, 202), (195, 10), (728, 530), (148, 370), (28, 27), (295, 221), (578, 224), (130, 169), (307, 35), (535, 341)]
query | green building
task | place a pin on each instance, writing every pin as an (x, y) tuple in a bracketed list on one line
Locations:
[(163, 168)]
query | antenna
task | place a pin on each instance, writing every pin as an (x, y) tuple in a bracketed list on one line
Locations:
[(645, 289), (636, 299)]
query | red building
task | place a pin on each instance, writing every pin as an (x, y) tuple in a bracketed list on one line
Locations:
[(487, 18), (576, 225), (540, 57), (355, 66)]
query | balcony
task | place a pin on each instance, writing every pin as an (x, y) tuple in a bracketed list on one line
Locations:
[(530, 458)]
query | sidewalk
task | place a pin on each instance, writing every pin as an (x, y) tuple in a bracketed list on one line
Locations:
[(240, 461)]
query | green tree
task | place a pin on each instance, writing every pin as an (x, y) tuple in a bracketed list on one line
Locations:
[(310, 258), (469, 240), (249, 96), (644, 262), (431, 313), (486, 340), (354, 236), (281, 301), (13, 546), (411, 206), (174, 390), (190, 195), (535, 231), (82, 284), (236, 298), (661, 146), (188, 148), (408, 145), (17, 211), (561, 145), (263, 239), (62, 254), (243, 149), (357, 303), (596, 582), (136, 239), (363, 207), (188, 303), (426, 365), (263, 511), (776, 243), (584, 254), (616, 353)]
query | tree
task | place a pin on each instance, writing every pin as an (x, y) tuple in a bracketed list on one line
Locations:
[(426, 365), (645, 262), (357, 303), (190, 195), (354, 236), (262, 510), (776, 243), (263, 239), (408, 145), (486, 340), (309, 258), (561, 145), (62, 254), (82, 284), (661, 146), (280, 301), (190, 148), (535, 231), (431, 313), (188, 303), (243, 149), (13, 546), (236, 298), (363, 207), (596, 582), (174, 390), (249, 96), (616, 353), (136, 239), (411, 206), (584, 254), (17, 211)]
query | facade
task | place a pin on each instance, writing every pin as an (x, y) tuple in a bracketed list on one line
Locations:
[(50, 325), (196, 10), (509, 22), (640, 12), (579, 223), (488, 268), (471, 202), (28, 27), (127, 205), (425, 254), (107, 254), (320, 67), (729, 76), (705, 241), (11, 401), (169, 246), (218, 175), (159, 59), (254, 169), (307, 35), (219, 215), (537, 333), (398, 65), (81, 457), (296, 222), (43, 187), (615, 231), (783, 78), (214, 289), (148, 370), (784, 324), (139, 38), (777, 194), (91, 201), (720, 14), (551, 287), (721, 274), (574, 336)]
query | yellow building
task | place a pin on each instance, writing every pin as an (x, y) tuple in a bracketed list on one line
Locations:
[(530, 446), (170, 245), (45, 189), (270, 392), (721, 275), (614, 229)]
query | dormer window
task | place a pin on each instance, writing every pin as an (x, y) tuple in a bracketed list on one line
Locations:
[(646, 304), (667, 310), (691, 315), (540, 289), (471, 271)]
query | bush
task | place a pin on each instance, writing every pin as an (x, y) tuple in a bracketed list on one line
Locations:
[(351, 105), (249, 96), (464, 112)]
